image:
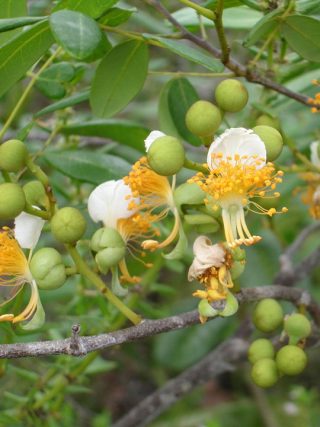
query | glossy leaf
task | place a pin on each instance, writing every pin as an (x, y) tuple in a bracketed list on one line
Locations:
[(51, 82), (78, 34), (19, 54), (64, 103), (13, 23), (88, 166), (267, 24), (11, 9), (123, 131), (194, 55), (302, 34), (116, 16), (119, 77), (93, 8)]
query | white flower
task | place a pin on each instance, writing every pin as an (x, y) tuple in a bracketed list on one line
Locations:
[(155, 134)]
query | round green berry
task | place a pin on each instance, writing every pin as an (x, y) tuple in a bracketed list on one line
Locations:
[(291, 360), (267, 315), (203, 118), (264, 373), (260, 349), (68, 225), (166, 155), (35, 193), (13, 155), (231, 95), (12, 200), (272, 140), (297, 326), (266, 120), (47, 269)]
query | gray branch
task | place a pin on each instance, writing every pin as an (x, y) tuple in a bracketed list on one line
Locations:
[(79, 346)]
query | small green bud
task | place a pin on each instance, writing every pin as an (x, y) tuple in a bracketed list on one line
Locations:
[(13, 155), (291, 360), (272, 140), (297, 327), (268, 315), (264, 373), (203, 118), (238, 254), (237, 269), (68, 225), (166, 155), (12, 200), (106, 237), (35, 193), (47, 269), (231, 95), (260, 349), (109, 257), (266, 120)]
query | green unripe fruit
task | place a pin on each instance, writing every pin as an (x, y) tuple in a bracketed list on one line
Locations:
[(109, 257), (12, 200), (47, 269), (272, 140), (13, 155), (68, 225), (166, 155), (268, 315), (203, 118), (264, 373), (35, 193), (297, 326), (260, 349), (231, 95), (291, 360), (106, 237), (266, 120)]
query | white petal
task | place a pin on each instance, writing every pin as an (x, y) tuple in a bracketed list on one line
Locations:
[(108, 202), (314, 153), (27, 230), (241, 141), (155, 134)]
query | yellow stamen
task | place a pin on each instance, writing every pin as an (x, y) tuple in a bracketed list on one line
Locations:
[(126, 276), (153, 244)]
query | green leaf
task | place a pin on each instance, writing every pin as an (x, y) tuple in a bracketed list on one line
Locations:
[(13, 23), (93, 8), (180, 96), (116, 16), (123, 131), (302, 34), (194, 55), (78, 34), (262, 28), (88, 166), (51, 81), (64, 103), (19, 54), (119, 77), (11, 9)]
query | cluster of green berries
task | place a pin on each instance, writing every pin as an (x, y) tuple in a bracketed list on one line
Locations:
[(267, 364)]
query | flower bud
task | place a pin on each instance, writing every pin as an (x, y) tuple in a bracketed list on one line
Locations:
[(12, 200), (297, 326), (238, 254), (13, 155), (268, 315), (260, 349), (68, 225), (110, 248), (291, 360), (166, 155), (272, 140), (35, 193), (47, 269), (203, 118), (264, 373), (231, 95), (266, 120)]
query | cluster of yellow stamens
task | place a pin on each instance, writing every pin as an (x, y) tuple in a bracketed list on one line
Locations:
[(231, 184), (316, 100), (14, 273)]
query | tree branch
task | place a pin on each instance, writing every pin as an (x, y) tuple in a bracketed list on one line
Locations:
[(239, 69), (79, 346)]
